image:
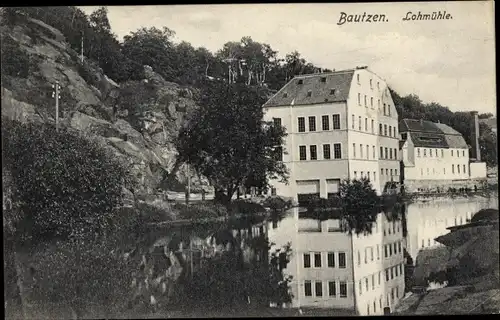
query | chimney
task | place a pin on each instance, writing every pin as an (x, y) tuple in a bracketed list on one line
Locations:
[(475, 152)]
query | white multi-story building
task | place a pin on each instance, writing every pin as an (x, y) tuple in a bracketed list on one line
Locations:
[(340, 125), (332, 269), (434, 155)]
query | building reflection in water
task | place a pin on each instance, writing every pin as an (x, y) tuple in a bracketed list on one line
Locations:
[(332, 269), (429, 220)]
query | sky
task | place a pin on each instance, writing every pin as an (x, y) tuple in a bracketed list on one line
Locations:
[(451, 62)]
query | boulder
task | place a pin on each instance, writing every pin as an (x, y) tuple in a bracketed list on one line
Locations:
[(17, 110), (129, 133), (93, 125)]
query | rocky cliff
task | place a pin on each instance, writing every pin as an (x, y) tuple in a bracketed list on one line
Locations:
[(136, 120)]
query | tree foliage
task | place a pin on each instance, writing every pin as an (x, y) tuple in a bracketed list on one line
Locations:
[(67, 187), (226, 139)]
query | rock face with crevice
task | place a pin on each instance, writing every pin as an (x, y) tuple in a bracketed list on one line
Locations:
[(94, 104)]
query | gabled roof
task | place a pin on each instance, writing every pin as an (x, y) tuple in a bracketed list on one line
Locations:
[(427, 134), (320, 87)]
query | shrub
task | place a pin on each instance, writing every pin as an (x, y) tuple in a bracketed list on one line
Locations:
[(204, 210), (277, 203), (67, 186), (15, 61), (242, 207)]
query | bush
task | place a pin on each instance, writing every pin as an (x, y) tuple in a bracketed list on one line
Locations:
[(242, 207), (15, 61), (67, 186), (205, 210), (277, 203)]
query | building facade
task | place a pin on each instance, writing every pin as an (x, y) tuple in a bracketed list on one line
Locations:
[(333, 269), (434, 156), (340, 125)]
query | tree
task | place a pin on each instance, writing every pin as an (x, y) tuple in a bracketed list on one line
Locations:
[(487, 115), (152, 47), (488, 145), (226, 139)]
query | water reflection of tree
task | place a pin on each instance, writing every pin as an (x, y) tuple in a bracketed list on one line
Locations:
[(228, 280)]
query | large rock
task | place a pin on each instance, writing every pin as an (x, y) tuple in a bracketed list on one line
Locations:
[(17, 110), (93, 125), (129, 132)]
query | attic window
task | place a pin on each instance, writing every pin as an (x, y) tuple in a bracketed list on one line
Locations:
[(332, 91), (309, 93), (429, 139), (323, 79), (300, 81), (285, 95), (326, 99)]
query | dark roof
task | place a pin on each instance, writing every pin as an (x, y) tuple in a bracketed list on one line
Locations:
[(320, 85), (485, 215), (427, 134)]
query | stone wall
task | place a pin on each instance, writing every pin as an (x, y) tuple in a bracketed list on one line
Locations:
[(412, 186)]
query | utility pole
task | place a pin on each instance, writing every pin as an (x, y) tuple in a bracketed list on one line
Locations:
[(55, 94), (82, 48), (188, 191)]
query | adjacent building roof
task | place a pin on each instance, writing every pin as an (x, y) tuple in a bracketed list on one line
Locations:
[(314, 88), (427, 134)]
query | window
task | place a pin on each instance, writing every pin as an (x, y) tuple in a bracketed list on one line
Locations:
[(390, 246), (371, 253), (396, 270), (386, 252), (378, 85), (343, 289), (354, 150), (285, 95), (313, 151), (336, 122), (342, 260), (367, 152), (418, 152), (359, 123), (463, 153), (464, 168), (385, 153), (381, 170), (359, 257), (374, 157), (379, 276), (381, 154), (373, 281), (312, 123), (453, 168), (359, 99), (326, 151), (442, 153), (390, 131), (371, 83), (386, 170), (360, 285), (392, 273), (374, 307), (366, 255), (361, 150), (277, 122), (385, 110), (373, 126), (425, 152), (300, 81), (279, 153), (366, 124), (307, 288), (307, 260), (430, 152), (332, 290), (362, 176), (353, 122), (358, 78), (378, 252), (367, 286), (458, 168), (391, 169), (395, 154), (458, 153), (302, 124), (385, 130), (380, 129), (323, 79), (331, 260), (319, 289), (371, 102), (390, 154), (332, 92), (368, 173), (452, 153), (309, 93), (366, 105), (386, 274), (317, 260), (355, 174), (302, 152), (325, 123), (337, 152)]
